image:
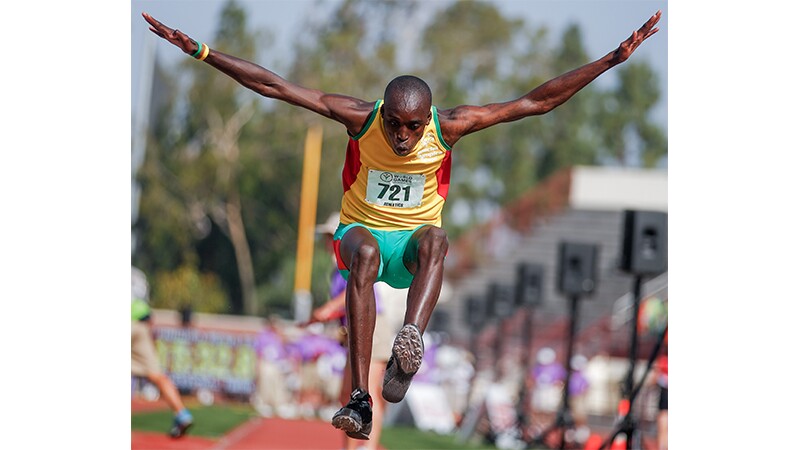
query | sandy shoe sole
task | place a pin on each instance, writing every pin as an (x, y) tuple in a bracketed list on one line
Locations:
[(405, 361), (408, 349)]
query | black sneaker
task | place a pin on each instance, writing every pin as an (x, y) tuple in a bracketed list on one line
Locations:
[(355, 419), (404, 363)]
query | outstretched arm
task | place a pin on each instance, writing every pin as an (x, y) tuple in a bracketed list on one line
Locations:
[(462, 120), (349, 111)]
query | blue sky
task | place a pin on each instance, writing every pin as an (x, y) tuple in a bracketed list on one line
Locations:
[(604, 23)]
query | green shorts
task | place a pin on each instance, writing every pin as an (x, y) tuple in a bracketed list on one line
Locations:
[(392, 245)]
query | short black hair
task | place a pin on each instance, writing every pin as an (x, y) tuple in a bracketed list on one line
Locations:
[(413, 90)]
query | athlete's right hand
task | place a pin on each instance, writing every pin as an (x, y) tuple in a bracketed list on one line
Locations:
[(176, 37)]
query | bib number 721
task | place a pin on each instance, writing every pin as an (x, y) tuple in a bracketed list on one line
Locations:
[(399, 190), (394, 192)]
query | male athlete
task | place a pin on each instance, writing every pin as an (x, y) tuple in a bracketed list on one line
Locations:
[(395, 178)]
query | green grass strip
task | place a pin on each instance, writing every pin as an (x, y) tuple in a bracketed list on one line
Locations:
[(410, 438), (209, 421)]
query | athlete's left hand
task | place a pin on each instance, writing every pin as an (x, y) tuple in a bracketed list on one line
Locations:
[(627, 46), (176, 37)]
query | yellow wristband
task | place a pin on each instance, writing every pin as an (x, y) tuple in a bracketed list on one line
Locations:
[(206, 51)]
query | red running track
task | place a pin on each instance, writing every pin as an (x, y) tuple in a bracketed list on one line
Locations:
[(256, 434)]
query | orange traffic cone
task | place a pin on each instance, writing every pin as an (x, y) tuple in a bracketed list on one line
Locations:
[(619, 443), (594, 442)]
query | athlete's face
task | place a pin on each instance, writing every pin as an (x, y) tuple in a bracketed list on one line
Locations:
[(404, 121)]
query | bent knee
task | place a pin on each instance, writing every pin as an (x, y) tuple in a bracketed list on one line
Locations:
[(434, 243), (366, 260)]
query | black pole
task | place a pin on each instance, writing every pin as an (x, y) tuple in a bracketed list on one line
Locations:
[(650, 360), (567, 420), (475, 334), (637, 289), (523, 400), (627, 424), (473, 338), (637, 293), (476, 353), (564, 415), (498, 341)]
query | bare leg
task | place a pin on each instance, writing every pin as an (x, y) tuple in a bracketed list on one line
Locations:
[(425, 260), (424, 257), (376, 386), (360, 253), (143, 353), (168, 391)]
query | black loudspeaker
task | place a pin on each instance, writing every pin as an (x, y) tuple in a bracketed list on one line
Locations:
[(440, 321), (576, 268), (476, 312), (501, 300), (530, 285), (644, 242), (186, 316)]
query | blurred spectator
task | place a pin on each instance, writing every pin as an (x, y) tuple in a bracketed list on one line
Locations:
[(661, 381), (547, 375), (330, 369), (454, 372), (578, 388), (653, 316), (273, 395), (315, 349), (144, 362), (427, 372), (599, 399), (549, 378)]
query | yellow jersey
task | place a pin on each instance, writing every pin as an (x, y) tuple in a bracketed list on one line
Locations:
[(389, 192)]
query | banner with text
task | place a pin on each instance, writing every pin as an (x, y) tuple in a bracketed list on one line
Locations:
[(222, 362)]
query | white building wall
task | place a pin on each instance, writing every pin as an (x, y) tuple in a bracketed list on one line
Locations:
[(611, 188)]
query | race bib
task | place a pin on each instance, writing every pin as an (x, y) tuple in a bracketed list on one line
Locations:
[(400, 190)]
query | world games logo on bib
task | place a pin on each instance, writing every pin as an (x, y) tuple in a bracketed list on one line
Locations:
[(397, 190)]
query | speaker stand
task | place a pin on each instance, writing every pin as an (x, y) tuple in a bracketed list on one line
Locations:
[(564, 418), (524, 395), (627, 424), (475, 409)]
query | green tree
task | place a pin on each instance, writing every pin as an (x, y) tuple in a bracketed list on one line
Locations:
[(193, 166), (567, 135), (186, 287), (630, 137), (216, 135)]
